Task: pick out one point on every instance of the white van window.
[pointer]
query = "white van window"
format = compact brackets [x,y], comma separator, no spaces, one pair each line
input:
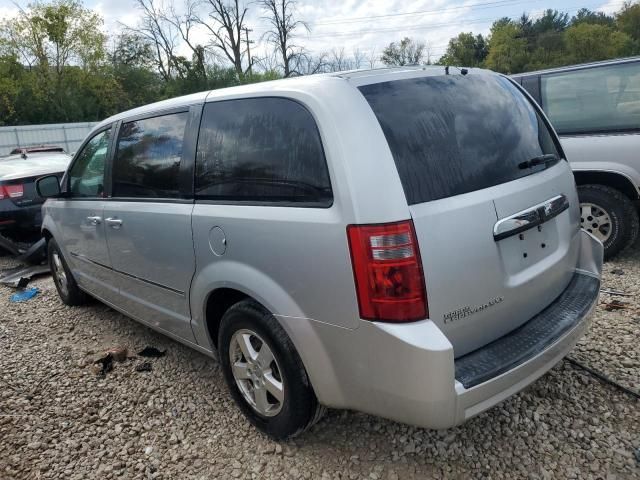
[594,99]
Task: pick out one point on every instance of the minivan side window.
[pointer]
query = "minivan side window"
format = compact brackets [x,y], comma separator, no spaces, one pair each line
[86,176]
[261,150]
[594,99]
[148,155]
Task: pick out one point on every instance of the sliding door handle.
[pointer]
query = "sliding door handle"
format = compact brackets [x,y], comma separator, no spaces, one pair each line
[113,222]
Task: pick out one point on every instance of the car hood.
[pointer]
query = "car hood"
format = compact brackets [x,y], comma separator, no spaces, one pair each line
[33,166]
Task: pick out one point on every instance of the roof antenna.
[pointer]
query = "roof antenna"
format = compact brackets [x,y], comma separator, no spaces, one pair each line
[446,70]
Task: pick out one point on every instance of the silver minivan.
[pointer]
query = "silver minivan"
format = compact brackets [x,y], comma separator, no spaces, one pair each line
[402,242]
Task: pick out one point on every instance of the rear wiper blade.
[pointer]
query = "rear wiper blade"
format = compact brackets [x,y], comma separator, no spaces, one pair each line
[539,160]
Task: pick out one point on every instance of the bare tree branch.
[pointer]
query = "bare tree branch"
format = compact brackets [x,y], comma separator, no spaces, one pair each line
[281,17]
[161,33]
[225,23]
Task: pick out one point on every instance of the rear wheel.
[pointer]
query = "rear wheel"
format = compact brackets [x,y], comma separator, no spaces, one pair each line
[265,373]
[68,289]
[610,216]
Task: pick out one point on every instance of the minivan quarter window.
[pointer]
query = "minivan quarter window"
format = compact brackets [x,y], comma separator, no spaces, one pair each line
[148,155]
[261,150]
[86,176]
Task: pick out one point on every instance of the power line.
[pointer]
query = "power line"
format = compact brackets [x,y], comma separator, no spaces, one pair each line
[471,6]
[419,26]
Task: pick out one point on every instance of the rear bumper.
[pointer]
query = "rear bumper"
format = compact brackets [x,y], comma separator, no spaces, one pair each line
[408,372]
[485,378]
[14,218]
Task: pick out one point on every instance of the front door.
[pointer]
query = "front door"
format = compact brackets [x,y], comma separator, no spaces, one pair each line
[81,220]
[148,223]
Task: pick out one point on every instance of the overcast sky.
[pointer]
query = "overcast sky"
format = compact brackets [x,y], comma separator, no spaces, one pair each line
[367,24]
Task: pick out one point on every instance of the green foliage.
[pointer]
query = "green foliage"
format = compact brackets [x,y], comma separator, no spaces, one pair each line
[628,20]
[552,40]
[466,49]
[589,42]
[585,15]
[507,48]
[56,65]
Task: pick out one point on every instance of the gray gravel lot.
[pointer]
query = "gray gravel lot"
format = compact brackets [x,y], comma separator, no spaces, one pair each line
[58,419]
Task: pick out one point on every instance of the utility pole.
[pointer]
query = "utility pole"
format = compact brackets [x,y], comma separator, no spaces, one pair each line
[246,32]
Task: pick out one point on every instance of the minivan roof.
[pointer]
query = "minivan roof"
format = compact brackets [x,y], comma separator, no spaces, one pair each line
[358,77]
[579,66]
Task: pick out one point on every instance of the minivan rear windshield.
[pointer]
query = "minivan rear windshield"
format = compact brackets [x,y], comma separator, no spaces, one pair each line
[454,134]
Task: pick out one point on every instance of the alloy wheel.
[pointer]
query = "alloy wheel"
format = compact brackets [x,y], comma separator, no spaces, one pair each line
[595,220]
[60,274]
[256,372]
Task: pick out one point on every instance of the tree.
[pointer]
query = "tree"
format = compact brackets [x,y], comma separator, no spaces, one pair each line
[309,64]
[281,16]
[590,42]
[466,50]
[507,48]
[338,61]
[56,34]
[226,25]
[407,52]
[133,66]
[585,15]
[11,73]
[551,21]
[628,20]
[60,42]
[359,58]
[185,25]
[372,58]
[161,35]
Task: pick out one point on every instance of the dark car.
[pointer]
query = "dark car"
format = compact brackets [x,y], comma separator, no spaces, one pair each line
[20,205]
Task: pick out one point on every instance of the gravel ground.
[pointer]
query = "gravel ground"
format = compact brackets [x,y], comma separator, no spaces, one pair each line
[58,419]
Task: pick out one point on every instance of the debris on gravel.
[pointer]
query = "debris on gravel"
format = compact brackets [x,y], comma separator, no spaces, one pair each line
[176,420]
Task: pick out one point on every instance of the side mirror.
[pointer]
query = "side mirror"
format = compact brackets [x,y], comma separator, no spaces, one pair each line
[48,187]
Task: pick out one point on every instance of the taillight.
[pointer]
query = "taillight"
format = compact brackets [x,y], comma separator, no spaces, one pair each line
[11,191]
[388,272]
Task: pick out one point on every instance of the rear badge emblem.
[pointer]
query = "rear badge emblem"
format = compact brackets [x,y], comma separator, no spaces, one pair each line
[464,312]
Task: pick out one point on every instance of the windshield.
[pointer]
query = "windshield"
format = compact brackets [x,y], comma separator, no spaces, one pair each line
[454,134]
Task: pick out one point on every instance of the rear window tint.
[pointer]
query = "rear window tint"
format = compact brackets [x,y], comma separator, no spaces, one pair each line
[455,134]
[261,150]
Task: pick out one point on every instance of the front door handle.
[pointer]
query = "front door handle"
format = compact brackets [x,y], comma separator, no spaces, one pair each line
[113,222]
[94,220]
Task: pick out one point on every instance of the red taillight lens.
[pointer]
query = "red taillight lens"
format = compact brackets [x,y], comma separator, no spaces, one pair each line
[11,191]
[388,272]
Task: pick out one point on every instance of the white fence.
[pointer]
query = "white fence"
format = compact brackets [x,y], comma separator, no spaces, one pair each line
[66,135]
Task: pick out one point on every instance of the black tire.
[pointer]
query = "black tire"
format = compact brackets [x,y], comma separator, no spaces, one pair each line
[622,212]
[71,295]
[300,408]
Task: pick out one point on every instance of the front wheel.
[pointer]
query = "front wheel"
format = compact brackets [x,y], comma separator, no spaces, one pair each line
[264,372]
[610,216]
[68,289]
